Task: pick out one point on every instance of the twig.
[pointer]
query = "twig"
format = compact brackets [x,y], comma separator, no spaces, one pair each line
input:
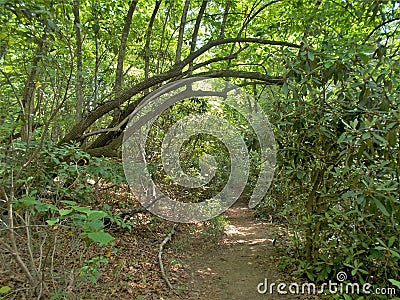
[52,263]
[12,238]
[167,238]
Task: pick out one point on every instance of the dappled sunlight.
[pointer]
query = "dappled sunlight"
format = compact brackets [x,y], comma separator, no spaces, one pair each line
[206,272]
[245,235]
[243,258]
[252,233]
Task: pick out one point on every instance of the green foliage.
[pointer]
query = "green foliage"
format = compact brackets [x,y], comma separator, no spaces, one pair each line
[116,218]
[334,110]
[216,225]
[90,221]
[59,171]
[59,294]
[90,269]
[4,290]
[197,146]
[337,125]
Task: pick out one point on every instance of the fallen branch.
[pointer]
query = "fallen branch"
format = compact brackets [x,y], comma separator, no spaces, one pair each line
[167,238]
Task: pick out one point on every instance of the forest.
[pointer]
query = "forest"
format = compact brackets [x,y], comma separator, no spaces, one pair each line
[301,134]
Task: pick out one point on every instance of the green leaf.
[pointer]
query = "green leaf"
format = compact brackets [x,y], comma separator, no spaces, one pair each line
[82,209]
[349,194]
[381,207]
[391,137]
[100,237]
[45,207]
[51,24]
[380,248]
[366,136]
[4,289]
[64,212]
[72,203]
[96,215]
[96,28]
[395,282]
[285,89]
[29,201]
[94,225]
[394,253]
[52,221]
[379,138]
[341,138]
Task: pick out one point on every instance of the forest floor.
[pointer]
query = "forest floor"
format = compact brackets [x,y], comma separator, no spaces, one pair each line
[204,261]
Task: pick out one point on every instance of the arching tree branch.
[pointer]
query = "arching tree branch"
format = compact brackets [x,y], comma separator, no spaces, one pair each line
[97,113]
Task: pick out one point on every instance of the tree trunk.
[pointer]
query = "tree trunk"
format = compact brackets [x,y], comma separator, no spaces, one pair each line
[79,70]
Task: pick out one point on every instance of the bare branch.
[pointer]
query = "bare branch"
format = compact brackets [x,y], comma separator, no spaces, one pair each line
[12,238]
[250,18]
[13,89]
[160,252]
[380,25]
[29,90]
[106,130]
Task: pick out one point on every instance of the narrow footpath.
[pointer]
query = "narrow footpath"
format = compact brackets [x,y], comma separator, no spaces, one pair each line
[235,268]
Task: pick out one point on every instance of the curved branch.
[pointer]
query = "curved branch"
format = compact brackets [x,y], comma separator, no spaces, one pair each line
[98,112]
[380,25]
[243,74]
[115,127]
[217,59]
[248,20]
[215,43]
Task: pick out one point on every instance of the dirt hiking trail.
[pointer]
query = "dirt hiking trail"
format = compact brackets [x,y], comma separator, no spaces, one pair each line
[234,268]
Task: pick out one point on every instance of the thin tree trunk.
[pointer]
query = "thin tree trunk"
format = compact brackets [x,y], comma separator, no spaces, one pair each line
[310,210]
[196,30]
[96,72]
[29,93]
[148,40]
[79,69]
[119,74]
[181,32]
[223,24]
[161,55]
